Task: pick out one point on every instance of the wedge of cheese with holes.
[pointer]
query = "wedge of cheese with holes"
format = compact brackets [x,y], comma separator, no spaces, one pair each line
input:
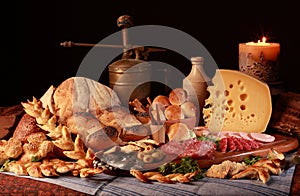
[237,102]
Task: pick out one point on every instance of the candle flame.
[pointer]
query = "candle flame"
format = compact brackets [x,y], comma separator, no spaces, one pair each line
[264,39]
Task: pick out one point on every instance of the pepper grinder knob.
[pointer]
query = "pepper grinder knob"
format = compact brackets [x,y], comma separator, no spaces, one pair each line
[124,22]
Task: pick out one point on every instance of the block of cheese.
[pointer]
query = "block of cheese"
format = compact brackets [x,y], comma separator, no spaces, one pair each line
[237,102]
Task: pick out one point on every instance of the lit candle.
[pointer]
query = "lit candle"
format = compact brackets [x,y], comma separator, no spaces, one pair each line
[260,60]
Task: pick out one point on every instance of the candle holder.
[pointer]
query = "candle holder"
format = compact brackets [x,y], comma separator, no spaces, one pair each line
[260,60]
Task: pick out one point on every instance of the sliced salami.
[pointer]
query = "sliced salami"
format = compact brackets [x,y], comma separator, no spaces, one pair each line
[238,144]
[223,144]
[199,149]
[191,147]
[245,143]
[254,144]
[230,144]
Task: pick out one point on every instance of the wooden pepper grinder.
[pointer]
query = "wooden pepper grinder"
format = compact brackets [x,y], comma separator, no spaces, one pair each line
[196,86]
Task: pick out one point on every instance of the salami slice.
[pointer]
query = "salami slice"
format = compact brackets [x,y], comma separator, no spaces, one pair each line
[231,144]
[192,147]
[238,144]
[245,143]
[199,149]
[223,144]
[254,144]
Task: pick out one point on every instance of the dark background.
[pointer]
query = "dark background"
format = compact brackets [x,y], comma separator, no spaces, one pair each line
[32,58]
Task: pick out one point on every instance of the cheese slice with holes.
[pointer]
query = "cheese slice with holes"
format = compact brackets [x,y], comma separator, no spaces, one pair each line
[237,102]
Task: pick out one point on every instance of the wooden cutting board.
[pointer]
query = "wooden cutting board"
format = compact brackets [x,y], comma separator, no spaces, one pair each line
[282,144]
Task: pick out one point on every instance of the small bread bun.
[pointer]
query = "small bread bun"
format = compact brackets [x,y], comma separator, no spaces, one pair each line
[189,109]
[178,96]
[162,100]
[178,131]
[174,112]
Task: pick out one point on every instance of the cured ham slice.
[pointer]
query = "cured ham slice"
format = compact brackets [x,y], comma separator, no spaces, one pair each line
[245,135]
[262,137]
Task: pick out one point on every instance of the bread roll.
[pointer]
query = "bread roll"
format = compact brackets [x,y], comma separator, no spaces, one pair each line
[174,112]
[80,94]
[178,96]
[162,100]
[189,109]
[179,131]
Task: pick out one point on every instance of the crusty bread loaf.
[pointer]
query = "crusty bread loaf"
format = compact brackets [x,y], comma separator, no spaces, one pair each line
[9,118]
[83,123]
[26,126]
[80,94]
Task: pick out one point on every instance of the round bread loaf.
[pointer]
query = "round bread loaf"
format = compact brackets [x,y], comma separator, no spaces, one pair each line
[80,94]
[178,96]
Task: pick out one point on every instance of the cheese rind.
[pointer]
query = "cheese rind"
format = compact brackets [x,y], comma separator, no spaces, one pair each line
[237,102]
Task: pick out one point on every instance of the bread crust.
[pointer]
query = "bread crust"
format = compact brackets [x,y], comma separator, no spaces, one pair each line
[26,126]
[80,94]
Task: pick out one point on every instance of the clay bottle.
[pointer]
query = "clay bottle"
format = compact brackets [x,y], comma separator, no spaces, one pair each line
[196,84]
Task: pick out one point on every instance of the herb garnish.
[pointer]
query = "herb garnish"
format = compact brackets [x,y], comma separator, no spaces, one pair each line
[251,160]
[185,165]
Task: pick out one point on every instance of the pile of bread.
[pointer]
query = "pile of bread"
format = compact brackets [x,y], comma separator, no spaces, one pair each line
[64,129]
